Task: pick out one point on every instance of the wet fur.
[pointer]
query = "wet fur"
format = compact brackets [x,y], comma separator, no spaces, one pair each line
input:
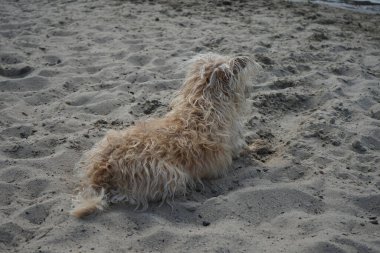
[159,158]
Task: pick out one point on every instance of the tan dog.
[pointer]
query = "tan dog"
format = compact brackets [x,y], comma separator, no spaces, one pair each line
[158,158]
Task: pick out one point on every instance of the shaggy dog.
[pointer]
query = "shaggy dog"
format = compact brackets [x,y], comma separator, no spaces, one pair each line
[159,158]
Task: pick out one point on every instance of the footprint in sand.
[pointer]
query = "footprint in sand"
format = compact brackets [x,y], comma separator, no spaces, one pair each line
[48,73]
[27,84]
[136,47]
[19,131]
[148,107]
[288,173]
[139,60]
[103,107]
[158,241]
[40,98]
[80,100]
[251,204]
[24,149]
[159,61]
[102,40]
[283,84]
[62,33]
[15,72]
[325,247]
[119,55]
[34,187]
[139,77]
[12,174]
[37,213]
[7,192]
[268,103]
[52,60]
[10,58]
[12,234]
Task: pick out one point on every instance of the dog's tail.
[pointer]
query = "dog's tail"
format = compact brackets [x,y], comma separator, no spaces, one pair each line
[89,201]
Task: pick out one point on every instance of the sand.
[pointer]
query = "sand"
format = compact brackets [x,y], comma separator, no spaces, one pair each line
[71,70]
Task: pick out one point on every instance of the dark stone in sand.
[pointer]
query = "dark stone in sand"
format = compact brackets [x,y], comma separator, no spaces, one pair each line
[358,147]
[205,223]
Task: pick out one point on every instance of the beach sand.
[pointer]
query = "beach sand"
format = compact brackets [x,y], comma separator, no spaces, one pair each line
[71,70]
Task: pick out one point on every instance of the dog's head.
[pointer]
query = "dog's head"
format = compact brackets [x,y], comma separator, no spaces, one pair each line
[218,79]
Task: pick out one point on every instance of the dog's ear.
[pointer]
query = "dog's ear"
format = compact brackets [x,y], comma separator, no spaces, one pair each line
[239,63]
[223,78]
[220,80]
[221,75]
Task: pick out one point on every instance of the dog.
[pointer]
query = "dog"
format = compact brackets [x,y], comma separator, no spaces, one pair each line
[159,158]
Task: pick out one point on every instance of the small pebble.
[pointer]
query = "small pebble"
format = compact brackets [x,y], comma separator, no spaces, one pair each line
[205,223]
[359,147]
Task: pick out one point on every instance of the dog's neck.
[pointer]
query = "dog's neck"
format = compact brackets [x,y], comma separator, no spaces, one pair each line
[200,113]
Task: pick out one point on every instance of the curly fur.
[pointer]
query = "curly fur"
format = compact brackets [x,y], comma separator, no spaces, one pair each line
[159,158]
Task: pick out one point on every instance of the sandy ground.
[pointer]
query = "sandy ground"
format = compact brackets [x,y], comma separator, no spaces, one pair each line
[71,70]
